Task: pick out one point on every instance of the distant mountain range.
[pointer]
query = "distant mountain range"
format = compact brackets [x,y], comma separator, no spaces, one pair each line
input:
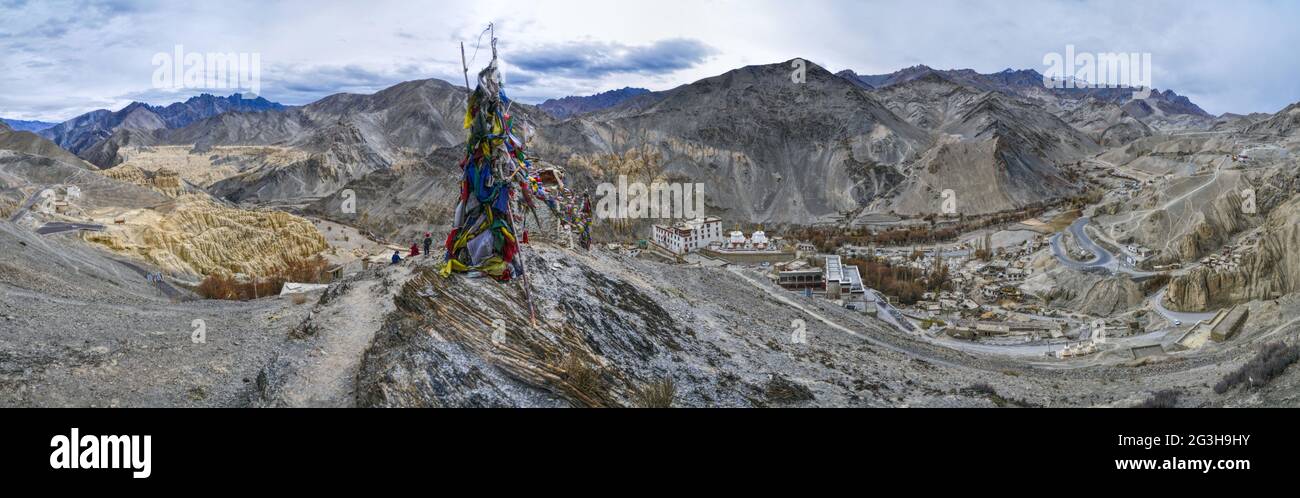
[21,125]
[80,134]
[574,106]
[829,150]
[1026,83]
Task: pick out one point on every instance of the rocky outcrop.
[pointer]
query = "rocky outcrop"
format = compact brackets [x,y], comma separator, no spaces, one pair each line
[1270,270]
[165,181]
[1188,219]
[1106,296]
[1091,293]
[199,237]
[1212,226]
[442,348]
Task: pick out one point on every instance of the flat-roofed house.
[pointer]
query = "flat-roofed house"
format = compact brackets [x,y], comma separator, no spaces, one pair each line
[686,236]
[833,276]
[810,278]
[1230,324]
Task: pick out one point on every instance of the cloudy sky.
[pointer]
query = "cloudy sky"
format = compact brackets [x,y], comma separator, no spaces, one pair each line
[62,58]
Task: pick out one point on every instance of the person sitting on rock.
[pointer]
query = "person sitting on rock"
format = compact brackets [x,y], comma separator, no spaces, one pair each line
[397,257]
[415,250]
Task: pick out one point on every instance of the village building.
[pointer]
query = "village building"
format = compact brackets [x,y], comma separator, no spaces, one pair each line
[1228,323]
[856,298]
[687,236]
[804,249]
[809,278]
[833,276]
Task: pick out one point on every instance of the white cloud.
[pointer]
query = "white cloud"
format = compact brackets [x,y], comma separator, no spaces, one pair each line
[63,58]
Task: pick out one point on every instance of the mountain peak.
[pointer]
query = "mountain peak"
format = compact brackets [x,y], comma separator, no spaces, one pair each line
[575,105]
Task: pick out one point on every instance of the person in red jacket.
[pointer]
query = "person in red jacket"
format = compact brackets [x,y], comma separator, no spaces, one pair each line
[415,250]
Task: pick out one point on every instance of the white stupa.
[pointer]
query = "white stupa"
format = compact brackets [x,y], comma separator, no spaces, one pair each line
[737,240]
[759,240]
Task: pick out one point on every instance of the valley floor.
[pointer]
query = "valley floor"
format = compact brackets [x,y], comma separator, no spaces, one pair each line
[609,326]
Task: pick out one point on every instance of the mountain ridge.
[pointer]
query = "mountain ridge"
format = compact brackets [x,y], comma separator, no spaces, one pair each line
[577,105]
[24,125]
[88,130]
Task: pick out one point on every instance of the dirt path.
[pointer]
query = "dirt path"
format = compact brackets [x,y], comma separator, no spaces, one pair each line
[327,374]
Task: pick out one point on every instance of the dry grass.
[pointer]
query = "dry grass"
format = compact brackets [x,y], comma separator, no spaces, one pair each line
[657,394]
[1271,361]
[1064,220]
[229,288]
[580,374]
[1163,399]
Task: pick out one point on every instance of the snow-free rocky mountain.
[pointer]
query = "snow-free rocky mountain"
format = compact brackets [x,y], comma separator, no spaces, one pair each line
[768,150]
[95,132]
[24,125]
[576,105]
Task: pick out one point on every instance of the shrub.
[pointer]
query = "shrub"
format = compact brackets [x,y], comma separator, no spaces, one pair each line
[985,390]
[1167,398]
[658,394]
[785,391]
[311,270]
[580,375]
[1271,361]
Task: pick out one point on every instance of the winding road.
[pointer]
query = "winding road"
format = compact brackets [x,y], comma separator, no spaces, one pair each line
[1157,302]
[1101,257]
[1104,259]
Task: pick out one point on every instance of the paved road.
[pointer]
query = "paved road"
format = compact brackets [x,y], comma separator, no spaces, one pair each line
[27,205]
[1188,319]
[167,289]
[1102,258]
[59,226]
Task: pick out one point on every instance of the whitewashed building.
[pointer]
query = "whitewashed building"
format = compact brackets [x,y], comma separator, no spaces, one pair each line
[687,236]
